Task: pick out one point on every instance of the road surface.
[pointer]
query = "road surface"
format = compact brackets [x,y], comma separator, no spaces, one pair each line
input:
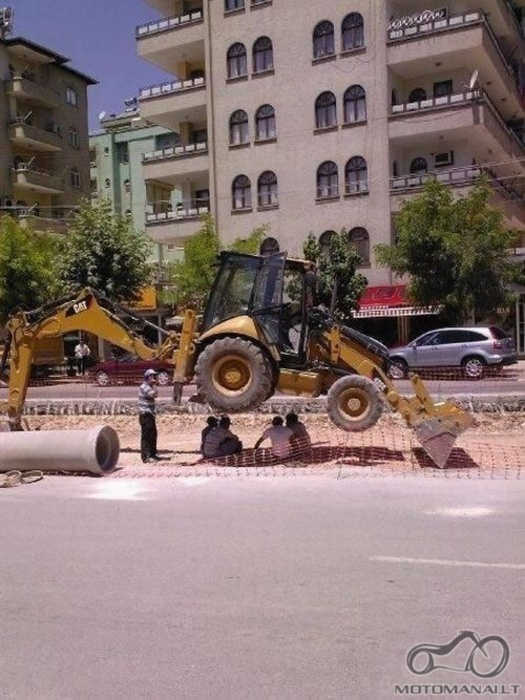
[279,587]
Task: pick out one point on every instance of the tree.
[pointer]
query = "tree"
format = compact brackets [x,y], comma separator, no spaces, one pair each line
[102,250]
[191,278]
[454,250]
[339,286]
[28,274]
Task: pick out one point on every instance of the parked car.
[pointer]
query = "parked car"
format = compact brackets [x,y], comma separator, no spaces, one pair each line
[129,369]
[472,349]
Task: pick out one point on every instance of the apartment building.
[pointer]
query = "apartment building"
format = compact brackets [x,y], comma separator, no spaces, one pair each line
[312,117]
[117,152]
[44,150]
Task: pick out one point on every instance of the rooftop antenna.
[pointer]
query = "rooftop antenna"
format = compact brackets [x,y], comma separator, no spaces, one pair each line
[6,21]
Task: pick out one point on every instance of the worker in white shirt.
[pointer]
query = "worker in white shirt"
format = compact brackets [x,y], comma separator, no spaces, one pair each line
[280,437]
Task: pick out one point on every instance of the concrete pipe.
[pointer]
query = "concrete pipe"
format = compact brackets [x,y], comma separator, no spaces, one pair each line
[96,450]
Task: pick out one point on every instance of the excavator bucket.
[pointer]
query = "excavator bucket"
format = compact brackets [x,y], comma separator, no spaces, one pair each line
[438,434]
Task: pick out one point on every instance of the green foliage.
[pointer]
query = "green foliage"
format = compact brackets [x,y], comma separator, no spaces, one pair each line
[28,276]
[339,286]
[102,250]
[454,250]
[191,279]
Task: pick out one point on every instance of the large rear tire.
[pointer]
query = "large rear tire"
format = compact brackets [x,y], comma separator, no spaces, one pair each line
[233,375]
[354,403]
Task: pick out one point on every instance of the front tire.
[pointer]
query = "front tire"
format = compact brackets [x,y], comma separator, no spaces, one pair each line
[163,378]
[103,378]
[233,374]
[398,369]
[354,403]
[473,367]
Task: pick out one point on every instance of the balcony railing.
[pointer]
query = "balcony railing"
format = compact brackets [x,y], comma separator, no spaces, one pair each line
[168,23]
[20,85]
[30,176]
[175,152]
[171,87]
[437,25]
[180,214]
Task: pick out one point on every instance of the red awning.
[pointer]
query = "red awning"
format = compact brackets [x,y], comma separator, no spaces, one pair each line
[386,295]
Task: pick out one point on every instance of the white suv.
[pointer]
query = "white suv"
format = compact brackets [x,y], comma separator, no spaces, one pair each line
[472,349]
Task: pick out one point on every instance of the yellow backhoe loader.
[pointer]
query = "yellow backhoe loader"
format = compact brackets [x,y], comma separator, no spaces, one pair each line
[260,333]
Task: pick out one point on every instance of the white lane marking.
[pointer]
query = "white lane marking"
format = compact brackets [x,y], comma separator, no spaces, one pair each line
[474,512]
[448,562]
[193,480]
[118,489]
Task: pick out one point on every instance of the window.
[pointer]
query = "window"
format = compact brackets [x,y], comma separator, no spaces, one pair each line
[123,152]
[443,88]
[74,177]
[127,185]
[230,5]
[73,138]
[324,43]
[418,166]
[325,110]
[354,104]
[327,180]
[267,189]
[356,175]
[360,240]
[72,97]
[107,182]
[325,241]
[241,192]
[106,151]
[237,62]
[417,95]
[262,55]
[265,123]
[239,131]
[353,31]
[269,246]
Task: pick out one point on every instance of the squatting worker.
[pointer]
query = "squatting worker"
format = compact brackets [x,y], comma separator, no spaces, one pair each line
[148,426]
[280,437]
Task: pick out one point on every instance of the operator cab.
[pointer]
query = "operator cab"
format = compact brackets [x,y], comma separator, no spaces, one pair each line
[273,290]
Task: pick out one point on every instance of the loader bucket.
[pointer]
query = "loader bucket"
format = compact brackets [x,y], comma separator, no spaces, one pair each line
[438,434]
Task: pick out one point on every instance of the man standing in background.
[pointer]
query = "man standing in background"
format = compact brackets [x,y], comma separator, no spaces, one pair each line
[82,352]
[148,426]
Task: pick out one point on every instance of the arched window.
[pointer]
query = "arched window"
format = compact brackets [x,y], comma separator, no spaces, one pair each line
[327,180]
[356,175]
[230,5]
[417,95]
[127,185]
[325,241]
[267,189]
[325,110]
[236,60]
[269,246]
[241,192]
[355,104]
[360,240]
[107,182]
[324,43]
[239,130]
[74,177]
[418,166]
[353,31]
[262,54]
[265,123]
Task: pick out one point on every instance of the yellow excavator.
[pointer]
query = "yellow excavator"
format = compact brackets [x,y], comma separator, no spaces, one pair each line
[260,333]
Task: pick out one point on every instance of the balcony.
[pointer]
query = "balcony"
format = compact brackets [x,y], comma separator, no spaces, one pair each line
[168,42]
[47,220]
[28,90]
[169,103]
[466,40]
[174,227]
[469,116]
[28,177]
[35,137]
[170,164]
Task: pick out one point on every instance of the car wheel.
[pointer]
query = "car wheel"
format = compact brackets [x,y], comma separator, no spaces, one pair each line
[102,378]
[163,378]
[473,367]
[398,369]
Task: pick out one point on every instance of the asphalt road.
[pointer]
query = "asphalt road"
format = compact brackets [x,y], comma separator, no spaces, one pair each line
[292,587]
[507,384]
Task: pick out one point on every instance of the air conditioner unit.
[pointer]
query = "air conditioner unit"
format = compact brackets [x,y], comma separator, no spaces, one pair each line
[445,158]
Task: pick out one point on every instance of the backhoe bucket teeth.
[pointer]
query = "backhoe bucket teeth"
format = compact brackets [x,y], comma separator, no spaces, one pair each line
[438,435]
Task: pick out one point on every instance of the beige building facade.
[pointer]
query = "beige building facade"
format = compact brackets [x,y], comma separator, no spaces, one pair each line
[44,147]
[311,117]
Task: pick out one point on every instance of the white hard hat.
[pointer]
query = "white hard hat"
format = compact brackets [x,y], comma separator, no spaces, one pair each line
[150,373]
